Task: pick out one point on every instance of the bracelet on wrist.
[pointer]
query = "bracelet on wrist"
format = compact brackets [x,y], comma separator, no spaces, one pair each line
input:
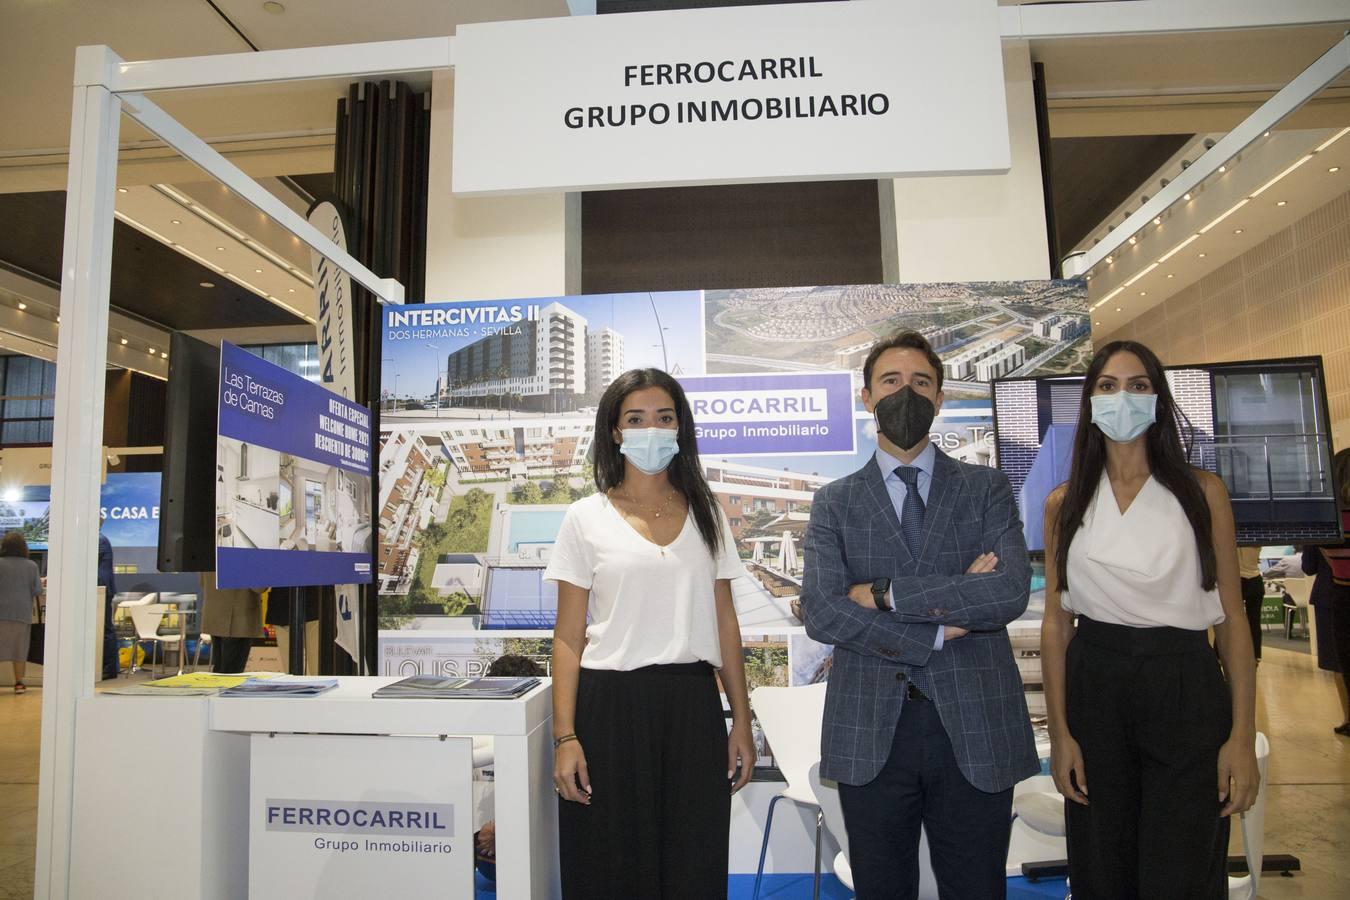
[558,742]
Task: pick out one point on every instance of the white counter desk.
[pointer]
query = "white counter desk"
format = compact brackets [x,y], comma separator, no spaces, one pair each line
[161,792]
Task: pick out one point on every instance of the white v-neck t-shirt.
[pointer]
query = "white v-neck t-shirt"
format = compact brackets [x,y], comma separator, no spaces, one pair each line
[649,605]
[1140,568]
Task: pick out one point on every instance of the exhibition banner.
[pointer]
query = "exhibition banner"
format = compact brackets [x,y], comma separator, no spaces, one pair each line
[811,91]
[488,418]
[292,479]
[360,816]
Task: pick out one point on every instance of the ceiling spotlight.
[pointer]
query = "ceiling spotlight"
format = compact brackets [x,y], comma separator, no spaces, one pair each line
[23,306]
[1098,323]
[1110,260]
[58,320]
[124,342]
[1281,202]
[220,248]
[1202,256]
[290,290]
[1186,196]
[1132,240]
[1143,293]
[1117,309]
[1170,275]
[1223,169]
[1157,220]
[175,222]
[1334,169]
[205,284]
[121,190]
[1267,134]
[259,271]
[1237,231]
[164,356]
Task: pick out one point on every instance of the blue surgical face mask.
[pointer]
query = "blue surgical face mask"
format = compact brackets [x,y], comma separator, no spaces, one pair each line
[650,449]
[1123,417]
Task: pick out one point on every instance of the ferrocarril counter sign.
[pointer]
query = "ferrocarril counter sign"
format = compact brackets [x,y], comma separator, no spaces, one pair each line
[359,815]
[867,89]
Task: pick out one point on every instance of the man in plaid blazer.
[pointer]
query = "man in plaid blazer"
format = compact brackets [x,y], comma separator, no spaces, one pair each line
[914,565]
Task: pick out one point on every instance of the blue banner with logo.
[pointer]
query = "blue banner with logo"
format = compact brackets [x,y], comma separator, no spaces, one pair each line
[772,414]
[292,479]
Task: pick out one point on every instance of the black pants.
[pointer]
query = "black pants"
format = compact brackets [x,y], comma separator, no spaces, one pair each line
[1253,592]
[230,654]
[657,826]
[920,784]
[1150,708]
[110,666]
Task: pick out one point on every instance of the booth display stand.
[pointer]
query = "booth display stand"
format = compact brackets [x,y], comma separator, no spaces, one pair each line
[216,797]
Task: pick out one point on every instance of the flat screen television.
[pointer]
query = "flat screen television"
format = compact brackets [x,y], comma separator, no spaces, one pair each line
[187,531]
[1261,426]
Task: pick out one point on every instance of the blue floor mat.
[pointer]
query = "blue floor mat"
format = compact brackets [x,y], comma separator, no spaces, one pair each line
[798,887]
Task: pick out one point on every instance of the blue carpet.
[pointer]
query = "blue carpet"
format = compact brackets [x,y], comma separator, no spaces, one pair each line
[798,887]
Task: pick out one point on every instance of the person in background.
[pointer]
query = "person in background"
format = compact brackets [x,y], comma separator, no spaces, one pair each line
[643,763]
[233,618]
[279,617]
[485,839]
[107,580]
[1142,548]
[20,589]
[1330,597]
[1253,592]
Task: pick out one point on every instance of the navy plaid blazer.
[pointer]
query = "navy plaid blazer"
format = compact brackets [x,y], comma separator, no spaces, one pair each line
[854,537]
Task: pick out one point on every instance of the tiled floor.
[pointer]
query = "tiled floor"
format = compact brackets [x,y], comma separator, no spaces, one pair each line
[1307,814]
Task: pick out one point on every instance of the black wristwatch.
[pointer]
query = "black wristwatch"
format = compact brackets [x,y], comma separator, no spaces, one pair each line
[879,588]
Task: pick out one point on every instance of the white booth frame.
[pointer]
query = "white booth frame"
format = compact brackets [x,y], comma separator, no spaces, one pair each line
[105,86]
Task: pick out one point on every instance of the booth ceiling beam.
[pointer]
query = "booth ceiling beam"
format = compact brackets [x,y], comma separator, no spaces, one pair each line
[1305,86]
[1087,19]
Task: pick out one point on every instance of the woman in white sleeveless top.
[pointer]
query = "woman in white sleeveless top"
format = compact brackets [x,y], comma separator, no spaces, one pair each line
[1141,548]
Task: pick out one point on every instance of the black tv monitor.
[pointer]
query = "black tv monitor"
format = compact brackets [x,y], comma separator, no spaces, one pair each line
[187,514]
[1262,426]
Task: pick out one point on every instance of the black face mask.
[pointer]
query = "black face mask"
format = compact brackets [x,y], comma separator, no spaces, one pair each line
[905,417]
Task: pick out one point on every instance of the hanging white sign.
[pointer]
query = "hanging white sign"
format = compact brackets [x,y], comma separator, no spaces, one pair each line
[865,89]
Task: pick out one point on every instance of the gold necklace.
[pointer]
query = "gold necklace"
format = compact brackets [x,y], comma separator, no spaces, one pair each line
[654,510]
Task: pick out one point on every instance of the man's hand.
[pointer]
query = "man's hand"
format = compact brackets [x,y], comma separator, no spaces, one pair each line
[985,562]
[861,594]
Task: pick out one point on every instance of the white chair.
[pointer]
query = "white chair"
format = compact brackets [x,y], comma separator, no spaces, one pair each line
[1299,590]
[1254,829]
[146,619]
[1043,811]
[202,638]
[791,718]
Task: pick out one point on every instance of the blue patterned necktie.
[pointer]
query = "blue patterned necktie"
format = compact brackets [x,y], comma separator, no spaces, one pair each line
[912,510]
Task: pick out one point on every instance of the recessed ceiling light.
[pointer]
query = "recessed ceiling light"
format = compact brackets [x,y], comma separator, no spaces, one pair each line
[206,284]
[1143,293]
[1170,275]
[164,356]
[152,351]
[259,271]
[1117,309]
[1186,196]
[1334,169]
[124,342]
[1157,220]
[1099,323]
[23,306]
[1237,231]
[1132,240]
[1202,256]
[290,290]
[220,248]
[1110,260]
[1281,202]
[121,190]
[1223,168]
[58,320]
[175,222]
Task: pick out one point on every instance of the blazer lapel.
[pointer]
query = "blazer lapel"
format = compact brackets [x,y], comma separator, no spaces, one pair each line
[883,511]
[942,494]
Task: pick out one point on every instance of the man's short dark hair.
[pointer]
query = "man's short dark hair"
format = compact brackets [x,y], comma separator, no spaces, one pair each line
[517,666]
[910,340]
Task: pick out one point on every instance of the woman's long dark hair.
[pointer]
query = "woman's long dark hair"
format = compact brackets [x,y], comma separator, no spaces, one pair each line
[1167,461]
[685,473]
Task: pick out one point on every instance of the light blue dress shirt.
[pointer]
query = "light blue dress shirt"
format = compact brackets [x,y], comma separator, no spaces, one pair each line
[898,490]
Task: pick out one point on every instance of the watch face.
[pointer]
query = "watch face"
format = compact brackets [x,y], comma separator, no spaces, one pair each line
[881,585]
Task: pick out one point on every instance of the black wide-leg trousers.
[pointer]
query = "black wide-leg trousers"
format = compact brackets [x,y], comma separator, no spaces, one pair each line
[1150,709]
[655,741]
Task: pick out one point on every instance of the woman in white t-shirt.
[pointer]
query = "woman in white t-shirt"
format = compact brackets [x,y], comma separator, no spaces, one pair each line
[1140,547]
[643,764]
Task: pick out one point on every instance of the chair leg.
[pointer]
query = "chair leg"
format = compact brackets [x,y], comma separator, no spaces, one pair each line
[820,820]
[764,845]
